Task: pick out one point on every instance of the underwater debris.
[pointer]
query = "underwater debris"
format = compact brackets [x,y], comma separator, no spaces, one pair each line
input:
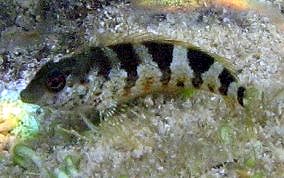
[184,5]
[173,5]
[168,5]
[119,71]
[257,6]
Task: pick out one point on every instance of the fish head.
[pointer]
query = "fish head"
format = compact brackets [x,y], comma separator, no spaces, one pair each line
[58,84]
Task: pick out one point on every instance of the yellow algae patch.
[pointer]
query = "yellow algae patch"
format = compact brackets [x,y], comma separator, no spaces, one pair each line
[234,4]
[8,121]
[9,116]
[8,125]
[16,120]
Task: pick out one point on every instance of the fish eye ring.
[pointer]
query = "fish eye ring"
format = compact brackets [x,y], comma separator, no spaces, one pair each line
[55,80]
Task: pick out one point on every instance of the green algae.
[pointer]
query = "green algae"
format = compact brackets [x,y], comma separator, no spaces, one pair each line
[25,157]
[187,93]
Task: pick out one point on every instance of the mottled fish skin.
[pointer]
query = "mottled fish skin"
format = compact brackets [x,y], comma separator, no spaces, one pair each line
[102,77]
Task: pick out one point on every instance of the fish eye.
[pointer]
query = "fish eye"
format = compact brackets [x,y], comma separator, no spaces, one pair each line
[55,80]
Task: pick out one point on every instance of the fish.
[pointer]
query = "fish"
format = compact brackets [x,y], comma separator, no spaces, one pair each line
[102,77]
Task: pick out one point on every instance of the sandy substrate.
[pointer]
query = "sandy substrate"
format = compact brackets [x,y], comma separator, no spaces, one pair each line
[161,136]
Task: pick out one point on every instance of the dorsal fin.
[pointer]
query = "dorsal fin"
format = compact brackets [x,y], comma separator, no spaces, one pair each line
[134,38]
[109,39]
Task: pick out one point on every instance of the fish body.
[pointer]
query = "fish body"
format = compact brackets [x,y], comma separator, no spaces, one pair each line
[102,77]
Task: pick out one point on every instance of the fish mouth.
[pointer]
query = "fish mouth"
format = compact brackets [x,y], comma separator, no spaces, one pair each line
[26,97]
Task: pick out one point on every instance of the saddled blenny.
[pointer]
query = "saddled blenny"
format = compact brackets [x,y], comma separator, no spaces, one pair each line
[102,77]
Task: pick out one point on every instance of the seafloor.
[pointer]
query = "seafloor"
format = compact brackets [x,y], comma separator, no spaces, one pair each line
[187,136]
